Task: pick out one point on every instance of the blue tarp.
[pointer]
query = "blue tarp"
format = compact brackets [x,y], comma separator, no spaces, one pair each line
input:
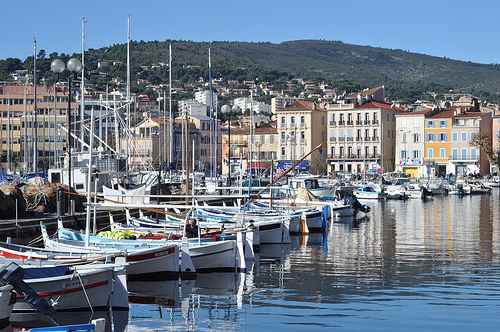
[44,272]
[288,164]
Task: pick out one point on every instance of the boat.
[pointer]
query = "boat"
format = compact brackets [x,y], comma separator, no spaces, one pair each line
[479,189]
[396,190]
[7,300]
[368,192]
[437,186]
[97,325]
[493,181]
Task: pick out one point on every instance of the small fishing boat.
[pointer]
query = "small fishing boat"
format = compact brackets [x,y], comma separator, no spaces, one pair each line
[368,192]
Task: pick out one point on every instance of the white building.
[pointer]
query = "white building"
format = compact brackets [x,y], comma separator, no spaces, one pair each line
[204,98]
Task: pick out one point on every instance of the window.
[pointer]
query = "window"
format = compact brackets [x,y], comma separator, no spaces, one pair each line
[472,136]
[302,135]
[442,137]
[333,117]
[323,120]
[271,139]
[332,132]
[283,120]
[430,124]
[454,137]
[464,154]
[415,123]
[416,138]
[403,138]
[442,124]
[473,154]
[415,154]
[283,152]
[388,133]
[430,137]
[367,117]
[367,151]
[402,154]
[283,136]
[464,137]
[349,117]
[302,119]
[430,153]
[332,150]
[442,153]
[358,117]
[454,154]
[388,117]
[403,123]
[375,151]
[293,119]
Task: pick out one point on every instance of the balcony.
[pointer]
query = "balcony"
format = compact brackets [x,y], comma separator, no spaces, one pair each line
[464,158]
[359,122]
[303,125]
[333,139]
[303,141]
[375,122]
[293,125]
[367,122]
[350,122]
[367,138]
[283,141]
[354,157]
[282,125]
[333,123]
[341,123]
[375,138]
[341,139]
[350,139]
[359,139]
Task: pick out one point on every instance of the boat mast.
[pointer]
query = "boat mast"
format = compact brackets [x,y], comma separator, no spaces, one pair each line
[82,98]
[129,158]
[26,151]
[9,160]
[212,131]
[170,109]
[35,145]
[56,127]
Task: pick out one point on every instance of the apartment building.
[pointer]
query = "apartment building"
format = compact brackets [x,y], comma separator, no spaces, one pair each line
[362,137]
[302,127]
[410,143]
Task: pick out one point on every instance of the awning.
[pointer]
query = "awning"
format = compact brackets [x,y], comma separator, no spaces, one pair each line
[259,164]
[288,164]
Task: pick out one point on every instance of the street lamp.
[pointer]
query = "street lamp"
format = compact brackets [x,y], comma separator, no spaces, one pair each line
[404,141]
[74,66]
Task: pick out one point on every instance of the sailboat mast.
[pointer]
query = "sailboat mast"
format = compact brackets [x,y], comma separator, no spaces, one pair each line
[35,145]
[212,131]
[82,97]
[170,108]
[9,160]
[26,151]
[129,159]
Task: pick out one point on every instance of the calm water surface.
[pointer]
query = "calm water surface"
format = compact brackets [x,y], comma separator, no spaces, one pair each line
[407,265]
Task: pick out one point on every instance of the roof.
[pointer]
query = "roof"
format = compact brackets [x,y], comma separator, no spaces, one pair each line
[364,93]
[472,115]
[379,104]
[422,112]
[443,115]
[301,105]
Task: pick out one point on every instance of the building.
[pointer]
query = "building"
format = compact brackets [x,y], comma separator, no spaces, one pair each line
[301,128]
[362,137]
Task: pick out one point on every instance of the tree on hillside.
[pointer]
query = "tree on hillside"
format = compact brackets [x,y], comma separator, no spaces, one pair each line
[485,143]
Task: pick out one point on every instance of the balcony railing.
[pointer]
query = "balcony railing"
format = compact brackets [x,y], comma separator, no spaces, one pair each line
[375,122]
[303,141]
[354,157]
[293,125]
[283,141]
[333,123]
[359,122]
[367,138]
[282,125]
[350,122]
[341,139]
[358,139]
[460,158]
[367,122]
[375,138]
[349,139]
[341,123]
[303,125]
[333,139]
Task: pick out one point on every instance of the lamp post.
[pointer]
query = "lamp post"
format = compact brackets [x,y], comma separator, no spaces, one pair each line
[404,141]
[74,67]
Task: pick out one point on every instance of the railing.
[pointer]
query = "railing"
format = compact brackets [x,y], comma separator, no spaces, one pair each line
[367,138]
[350,122]
[375,138]
[303,141]
[358,139]
[464,158]
[367,122]
[293,125]
[359,122]
[341,139]
[282,125]
[375,122]
[283,141]
[303,125]
[341,123]
[333,139]
[349,139]
[333,123]
[358,157]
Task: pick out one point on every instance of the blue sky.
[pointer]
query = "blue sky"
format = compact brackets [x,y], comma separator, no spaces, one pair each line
[459,29]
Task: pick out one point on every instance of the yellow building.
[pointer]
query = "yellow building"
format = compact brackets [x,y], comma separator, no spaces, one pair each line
[438,142]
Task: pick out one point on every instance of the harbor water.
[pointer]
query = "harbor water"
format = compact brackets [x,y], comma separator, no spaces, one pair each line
[410,265]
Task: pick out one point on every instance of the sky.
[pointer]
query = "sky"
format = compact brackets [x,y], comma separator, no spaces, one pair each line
[458,29]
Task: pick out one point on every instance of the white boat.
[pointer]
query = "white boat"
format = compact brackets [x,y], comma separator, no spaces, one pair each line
[493,181]
[368,192]
[437,186]
[413,190]
[145,262]
[396,190]
[480,188]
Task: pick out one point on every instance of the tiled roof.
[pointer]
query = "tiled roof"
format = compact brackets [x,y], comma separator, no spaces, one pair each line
[472,115]
[301,105]
[364,93]
[379,104]
[443,115]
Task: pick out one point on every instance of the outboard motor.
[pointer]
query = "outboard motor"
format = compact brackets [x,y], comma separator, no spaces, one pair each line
[426,193]
[356,205]
[13,274]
